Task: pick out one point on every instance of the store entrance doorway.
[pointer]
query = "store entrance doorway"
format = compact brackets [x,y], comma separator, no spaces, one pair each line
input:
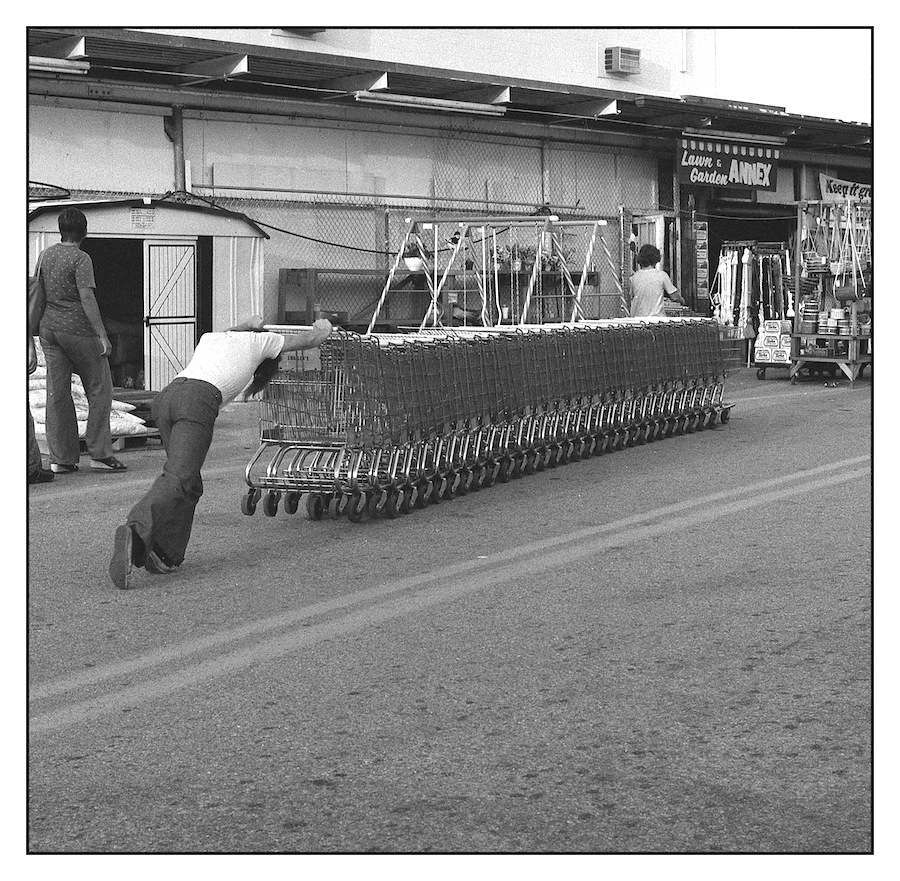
[657,230]
[155,299]
[119,273]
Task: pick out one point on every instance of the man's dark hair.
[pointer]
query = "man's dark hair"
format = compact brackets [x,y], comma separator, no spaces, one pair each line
[648,255]
[263,374]
[72,224]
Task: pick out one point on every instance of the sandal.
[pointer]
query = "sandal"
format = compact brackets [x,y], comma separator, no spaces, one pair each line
[111,463]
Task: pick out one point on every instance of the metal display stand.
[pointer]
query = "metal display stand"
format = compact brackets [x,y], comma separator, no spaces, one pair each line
[833,322]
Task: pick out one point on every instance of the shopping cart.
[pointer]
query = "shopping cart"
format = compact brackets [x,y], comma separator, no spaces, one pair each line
[381,425]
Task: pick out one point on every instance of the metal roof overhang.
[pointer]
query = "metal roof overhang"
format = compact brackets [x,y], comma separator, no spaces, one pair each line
[36,209]
[196,68]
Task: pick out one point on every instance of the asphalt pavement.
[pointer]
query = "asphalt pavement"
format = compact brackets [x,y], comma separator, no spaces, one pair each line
[662,649]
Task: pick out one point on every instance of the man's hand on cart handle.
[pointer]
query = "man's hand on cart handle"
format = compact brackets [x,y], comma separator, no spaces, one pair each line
[308,339]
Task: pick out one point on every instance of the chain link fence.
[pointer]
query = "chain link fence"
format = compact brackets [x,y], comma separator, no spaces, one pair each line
[331,251]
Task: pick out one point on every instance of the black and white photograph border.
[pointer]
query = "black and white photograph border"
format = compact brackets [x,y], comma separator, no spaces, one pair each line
[497,560]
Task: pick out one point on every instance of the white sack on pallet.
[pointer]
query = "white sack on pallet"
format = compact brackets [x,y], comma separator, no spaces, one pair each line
[37,400]
[120,424]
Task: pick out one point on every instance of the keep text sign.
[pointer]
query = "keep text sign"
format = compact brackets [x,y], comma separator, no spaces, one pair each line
[727,164]
[836,190]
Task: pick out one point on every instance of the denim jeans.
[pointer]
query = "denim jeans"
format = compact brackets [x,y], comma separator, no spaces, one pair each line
[185,412]
[34,451]
[67,353]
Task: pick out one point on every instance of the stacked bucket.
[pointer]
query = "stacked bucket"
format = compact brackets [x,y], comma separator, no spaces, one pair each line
[377,426]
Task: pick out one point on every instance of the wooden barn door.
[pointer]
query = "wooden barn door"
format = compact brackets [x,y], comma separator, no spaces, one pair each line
[170,308]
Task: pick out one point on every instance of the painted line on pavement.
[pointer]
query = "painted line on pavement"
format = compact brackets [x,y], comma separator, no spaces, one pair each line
[435,587]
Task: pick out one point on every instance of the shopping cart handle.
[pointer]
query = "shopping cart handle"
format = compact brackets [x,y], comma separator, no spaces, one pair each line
[287,328]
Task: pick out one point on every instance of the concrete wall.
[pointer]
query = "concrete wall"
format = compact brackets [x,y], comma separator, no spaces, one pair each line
[99,150]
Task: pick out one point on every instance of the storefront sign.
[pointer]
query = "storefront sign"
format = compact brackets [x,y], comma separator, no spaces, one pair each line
[727,164]
[836,190]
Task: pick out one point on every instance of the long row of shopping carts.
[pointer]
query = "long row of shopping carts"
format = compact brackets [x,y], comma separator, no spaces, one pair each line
[379,425]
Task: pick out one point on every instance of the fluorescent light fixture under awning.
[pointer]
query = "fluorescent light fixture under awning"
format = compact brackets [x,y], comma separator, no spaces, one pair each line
[415,102]
[58,65]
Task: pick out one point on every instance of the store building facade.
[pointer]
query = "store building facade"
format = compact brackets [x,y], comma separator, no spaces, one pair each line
[327,141]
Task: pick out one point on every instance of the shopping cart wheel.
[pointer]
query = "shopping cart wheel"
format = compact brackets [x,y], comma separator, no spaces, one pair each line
[404,498]
[356,506]
[725,415]
[336,505]
[449,484]
[438,486]
[248,502]
[375,505]
[315,507]
[713,416]
[291,502]
[270,503]
[423,490]
[390,504]
[760,372]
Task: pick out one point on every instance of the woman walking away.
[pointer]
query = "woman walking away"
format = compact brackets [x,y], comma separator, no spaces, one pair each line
[74,340]
[239,361]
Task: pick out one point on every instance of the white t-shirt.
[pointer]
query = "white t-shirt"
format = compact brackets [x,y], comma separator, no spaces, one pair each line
[648,286]
[227,359]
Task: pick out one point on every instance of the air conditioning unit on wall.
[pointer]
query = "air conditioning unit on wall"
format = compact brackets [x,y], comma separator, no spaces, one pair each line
[619,59]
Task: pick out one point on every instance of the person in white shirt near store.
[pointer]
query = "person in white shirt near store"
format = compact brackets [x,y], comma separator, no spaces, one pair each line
[239,361]
[650,286]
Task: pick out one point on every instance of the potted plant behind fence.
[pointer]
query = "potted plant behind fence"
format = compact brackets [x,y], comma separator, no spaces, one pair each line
[412,254]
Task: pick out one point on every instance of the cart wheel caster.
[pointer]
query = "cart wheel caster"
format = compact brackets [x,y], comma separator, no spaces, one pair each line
[248,502]
[761,373]
[464,479]
[375,504]
[356,506]
[423,491]
[291,502]
[336,506]
[390,507]
[724,416]
[448,486]
[405,498]
[438,486]
[270,503]
[315,507]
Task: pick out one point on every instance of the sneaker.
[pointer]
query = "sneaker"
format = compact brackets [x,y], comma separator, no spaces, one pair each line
[44,475]
[122,562]
[155,564]
[57,468]
[111,463]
